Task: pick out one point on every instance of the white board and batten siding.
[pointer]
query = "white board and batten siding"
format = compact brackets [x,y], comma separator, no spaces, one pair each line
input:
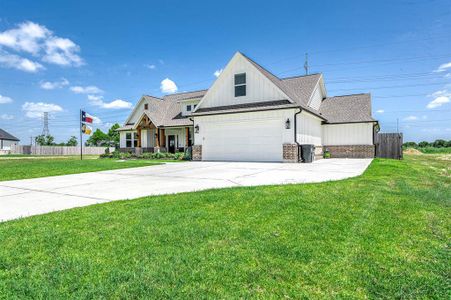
[317,98]
[258,87]
[255,136]
[348,134]
[308,129]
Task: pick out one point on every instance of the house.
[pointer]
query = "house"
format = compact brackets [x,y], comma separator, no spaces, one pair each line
[7,140]
[249,114]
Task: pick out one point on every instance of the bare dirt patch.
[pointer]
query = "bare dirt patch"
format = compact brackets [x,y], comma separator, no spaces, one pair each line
[412,151]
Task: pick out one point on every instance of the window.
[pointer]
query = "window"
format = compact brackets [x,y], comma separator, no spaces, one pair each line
[188,107]
[128,140]
[194,107]
[240,85]
[135,139]
[146,106]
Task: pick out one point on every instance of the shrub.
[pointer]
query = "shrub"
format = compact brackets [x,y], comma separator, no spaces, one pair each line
[188,154]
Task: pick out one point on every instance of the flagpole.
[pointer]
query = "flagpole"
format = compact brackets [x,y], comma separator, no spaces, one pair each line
[81,138]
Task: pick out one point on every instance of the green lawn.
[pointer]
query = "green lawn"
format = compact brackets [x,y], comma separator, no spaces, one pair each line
[385,234]
[12,168]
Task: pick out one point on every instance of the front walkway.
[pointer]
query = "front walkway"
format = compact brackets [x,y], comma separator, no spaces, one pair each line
[29,197]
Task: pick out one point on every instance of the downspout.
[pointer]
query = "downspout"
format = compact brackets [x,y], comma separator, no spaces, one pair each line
[192,120]
[295,132]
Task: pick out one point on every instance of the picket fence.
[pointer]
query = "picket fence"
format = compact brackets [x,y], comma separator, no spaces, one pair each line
[57,150]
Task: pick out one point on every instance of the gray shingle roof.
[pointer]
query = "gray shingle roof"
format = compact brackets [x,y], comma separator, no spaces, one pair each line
[347,109]
[7,136]
[245,107]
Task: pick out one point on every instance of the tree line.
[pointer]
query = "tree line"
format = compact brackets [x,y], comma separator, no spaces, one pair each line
[435,144]
[97,139]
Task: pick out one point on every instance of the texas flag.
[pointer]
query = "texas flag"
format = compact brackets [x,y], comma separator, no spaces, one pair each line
[86,118]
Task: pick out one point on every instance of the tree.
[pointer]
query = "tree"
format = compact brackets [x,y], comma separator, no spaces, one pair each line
[114,135]
[45,140]
[410,145]
[98,138]
[72,141]
[439,143]
[423,144]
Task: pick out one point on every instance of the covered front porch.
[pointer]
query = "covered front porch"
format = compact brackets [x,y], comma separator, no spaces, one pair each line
[145,136]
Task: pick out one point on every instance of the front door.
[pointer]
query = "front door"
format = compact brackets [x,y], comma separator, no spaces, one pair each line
[171,143]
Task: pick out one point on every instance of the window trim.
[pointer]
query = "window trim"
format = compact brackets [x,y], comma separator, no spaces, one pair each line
[128,140]
[239,85]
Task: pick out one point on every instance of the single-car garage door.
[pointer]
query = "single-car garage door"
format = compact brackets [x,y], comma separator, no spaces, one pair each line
[243,141]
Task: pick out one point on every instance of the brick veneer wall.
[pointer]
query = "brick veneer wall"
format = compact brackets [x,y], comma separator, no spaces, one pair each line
[290,153]
[350,151]
[197,152]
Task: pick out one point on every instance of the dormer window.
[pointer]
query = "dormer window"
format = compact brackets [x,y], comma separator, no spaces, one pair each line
[146,106]
[188,107]
[240,85]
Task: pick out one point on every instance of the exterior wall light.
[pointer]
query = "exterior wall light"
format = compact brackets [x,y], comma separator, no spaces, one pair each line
[196,128]
[287,124]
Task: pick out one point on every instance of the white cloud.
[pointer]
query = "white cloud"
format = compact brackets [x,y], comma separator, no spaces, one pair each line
[91,89]
[217,73]
[25,37]
[62,52]
[49,85]
[380,111]
[411,118]
[151,67]
[117,104]
[36,110]
[437,102]
[16,62]
[443,67]
[6,117]
[4,99]
[97,100]
[37,40]
[168,86]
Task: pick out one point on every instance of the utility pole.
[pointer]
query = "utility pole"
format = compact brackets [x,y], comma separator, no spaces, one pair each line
[306,64]
[31,140]
[45,130]
[397,125]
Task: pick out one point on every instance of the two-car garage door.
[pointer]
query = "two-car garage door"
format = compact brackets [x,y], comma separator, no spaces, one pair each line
[255,140]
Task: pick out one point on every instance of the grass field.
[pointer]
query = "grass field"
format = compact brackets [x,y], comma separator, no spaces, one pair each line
[432,150]
[384,234]
[21,167]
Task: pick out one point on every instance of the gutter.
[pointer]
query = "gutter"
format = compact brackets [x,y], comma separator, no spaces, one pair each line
[295,133]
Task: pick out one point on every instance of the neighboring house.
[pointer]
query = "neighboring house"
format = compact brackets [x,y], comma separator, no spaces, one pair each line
[248,114]
[7,140]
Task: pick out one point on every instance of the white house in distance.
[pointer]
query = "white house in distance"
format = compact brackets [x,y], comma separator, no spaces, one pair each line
[7,140]
[249,114]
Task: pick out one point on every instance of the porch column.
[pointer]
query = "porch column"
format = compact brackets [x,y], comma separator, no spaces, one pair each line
[138,136]
[186,137]
[157,139]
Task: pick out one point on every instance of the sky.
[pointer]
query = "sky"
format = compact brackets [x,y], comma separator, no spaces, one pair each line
[102,56]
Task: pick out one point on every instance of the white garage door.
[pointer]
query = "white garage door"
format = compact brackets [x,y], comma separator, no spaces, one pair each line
[243,141]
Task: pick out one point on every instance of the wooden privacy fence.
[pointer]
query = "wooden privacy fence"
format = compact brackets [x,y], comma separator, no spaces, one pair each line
[388,145]
[57,150]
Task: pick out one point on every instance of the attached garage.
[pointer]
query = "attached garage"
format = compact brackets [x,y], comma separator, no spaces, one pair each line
[243,141]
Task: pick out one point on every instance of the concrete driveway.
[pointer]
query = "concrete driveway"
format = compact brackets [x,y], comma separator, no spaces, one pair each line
[20,198]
